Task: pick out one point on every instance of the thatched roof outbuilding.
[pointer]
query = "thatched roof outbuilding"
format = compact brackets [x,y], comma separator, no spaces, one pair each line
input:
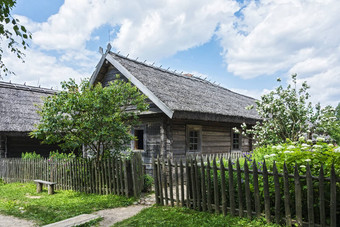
[18,110]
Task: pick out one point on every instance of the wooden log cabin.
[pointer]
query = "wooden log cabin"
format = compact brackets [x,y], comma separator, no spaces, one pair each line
[187,115]
[17,118]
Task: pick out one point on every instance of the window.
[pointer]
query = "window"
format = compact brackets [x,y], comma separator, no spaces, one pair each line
[139,139]
[236,141]
[193,138]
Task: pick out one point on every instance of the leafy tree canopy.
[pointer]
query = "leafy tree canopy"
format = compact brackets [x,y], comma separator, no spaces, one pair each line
[100,118]
[287,114]
[12,33]
[337,112]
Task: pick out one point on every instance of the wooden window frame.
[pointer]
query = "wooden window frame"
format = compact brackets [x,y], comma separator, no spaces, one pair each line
[239,141]
[190,128]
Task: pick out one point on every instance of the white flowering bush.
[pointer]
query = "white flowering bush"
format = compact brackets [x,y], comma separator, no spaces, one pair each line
[300,153]
[286,113]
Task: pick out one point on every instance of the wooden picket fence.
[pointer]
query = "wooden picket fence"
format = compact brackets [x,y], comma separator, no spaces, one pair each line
[119,176]
[219,185]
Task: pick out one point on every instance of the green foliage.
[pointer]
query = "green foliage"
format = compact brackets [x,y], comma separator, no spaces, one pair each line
[55,155]
[14,34]
[169,216]
[337,112]
[148,181]
[334,128]
[300,153]
[30,155]
[98,117]
[21,200]
[286,113]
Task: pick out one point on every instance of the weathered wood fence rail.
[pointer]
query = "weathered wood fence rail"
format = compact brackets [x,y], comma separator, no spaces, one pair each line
[223,187]
[111,176]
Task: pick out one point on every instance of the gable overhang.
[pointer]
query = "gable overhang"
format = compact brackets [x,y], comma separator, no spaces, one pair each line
[161,105]
[188,115]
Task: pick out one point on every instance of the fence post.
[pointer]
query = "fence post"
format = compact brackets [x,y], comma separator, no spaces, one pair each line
[203,186]
[170,183]
[155,176]
[223,188]
[160,183]
[310,198]
[333,196]
[216,195]
[266,193]
[256,190]
[209,185]
[277,194]
[298,199]
[165,182]
[188,186]
[239,189]
[286,193]
[231,188]
[177,183]
[193,183]
[132,172]
[198,185]
[182,182]
[247,189]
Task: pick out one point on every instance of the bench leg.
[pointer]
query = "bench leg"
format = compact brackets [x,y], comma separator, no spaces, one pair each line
[50,189]
[39,187]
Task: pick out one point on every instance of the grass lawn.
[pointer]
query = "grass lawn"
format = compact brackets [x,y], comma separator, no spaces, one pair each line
[168,216]
[21,200]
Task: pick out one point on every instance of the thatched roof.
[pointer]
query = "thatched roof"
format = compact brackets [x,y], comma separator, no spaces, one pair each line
[179,95]
[17,106]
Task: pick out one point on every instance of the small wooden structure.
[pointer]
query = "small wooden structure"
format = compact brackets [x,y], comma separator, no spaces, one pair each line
[48,183]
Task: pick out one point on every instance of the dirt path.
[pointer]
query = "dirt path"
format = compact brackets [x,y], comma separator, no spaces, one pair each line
[112,216]
[10,221]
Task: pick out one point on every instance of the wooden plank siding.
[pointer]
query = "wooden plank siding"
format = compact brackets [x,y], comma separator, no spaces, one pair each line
[216,137]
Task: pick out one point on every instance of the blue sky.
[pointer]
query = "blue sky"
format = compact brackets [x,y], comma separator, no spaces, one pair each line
[242,45]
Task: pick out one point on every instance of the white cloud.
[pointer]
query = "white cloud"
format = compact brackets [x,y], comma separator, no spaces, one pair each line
[284,37]
[40,69]
[175,26]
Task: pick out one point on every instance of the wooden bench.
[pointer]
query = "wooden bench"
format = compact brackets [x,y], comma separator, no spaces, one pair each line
[50,186]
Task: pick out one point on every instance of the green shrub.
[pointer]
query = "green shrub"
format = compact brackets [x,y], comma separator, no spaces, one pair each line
[299,153]
[55,155]
[30,155]
[148,181]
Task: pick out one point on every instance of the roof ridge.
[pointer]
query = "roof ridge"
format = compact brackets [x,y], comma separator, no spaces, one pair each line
[179,74]
[26,87]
